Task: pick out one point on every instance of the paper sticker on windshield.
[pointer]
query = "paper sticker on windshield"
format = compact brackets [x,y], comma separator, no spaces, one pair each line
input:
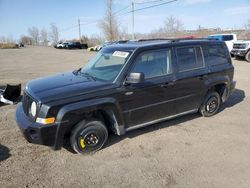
[120,54]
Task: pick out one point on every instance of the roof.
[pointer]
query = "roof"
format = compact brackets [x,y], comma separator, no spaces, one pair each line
[222,34]
[132,45]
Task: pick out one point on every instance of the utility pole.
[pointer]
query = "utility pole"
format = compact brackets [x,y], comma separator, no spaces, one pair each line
[133,20]
[79,25]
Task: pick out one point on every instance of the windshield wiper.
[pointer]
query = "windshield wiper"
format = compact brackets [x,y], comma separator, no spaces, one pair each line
[75,72]
[88,75]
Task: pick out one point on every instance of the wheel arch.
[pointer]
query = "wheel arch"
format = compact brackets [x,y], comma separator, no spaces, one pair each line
[221,85]
[69,115]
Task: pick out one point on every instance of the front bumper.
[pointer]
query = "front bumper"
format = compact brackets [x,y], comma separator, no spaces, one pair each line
[241,53]
[35,132]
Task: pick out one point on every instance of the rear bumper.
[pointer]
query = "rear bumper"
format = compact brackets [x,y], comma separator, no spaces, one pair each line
[35,132]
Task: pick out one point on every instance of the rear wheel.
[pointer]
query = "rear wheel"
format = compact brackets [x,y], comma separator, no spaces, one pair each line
[88,136]
[248,56]
[211,104]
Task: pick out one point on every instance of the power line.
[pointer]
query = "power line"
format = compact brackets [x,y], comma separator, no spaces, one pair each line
[147,2]
[121,10]
[135,10]
[89,23]
[68,28]
[92,22]
[152,6]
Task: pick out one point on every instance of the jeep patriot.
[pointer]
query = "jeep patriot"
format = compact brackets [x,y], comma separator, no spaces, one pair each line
[126,87]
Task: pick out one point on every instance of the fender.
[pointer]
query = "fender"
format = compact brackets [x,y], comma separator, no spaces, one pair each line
[73,112]
[225,80]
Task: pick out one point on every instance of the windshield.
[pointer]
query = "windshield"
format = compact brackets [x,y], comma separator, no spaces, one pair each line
[222,37]
[105,66]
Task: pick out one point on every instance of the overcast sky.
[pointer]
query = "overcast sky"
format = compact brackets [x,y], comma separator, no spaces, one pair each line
[16,16]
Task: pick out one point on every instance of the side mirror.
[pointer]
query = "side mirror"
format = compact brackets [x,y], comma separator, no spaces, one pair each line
[134,78]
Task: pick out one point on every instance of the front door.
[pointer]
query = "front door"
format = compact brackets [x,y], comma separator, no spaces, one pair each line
[151,100]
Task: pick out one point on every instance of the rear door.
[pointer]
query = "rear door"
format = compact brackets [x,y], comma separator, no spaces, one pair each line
[190,86]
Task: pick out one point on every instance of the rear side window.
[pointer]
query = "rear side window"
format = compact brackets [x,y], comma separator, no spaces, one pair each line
[227,37]
[216,55]
[189,58]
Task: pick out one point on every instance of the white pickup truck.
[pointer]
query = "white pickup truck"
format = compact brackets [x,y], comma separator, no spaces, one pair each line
[241,48]
[228,38]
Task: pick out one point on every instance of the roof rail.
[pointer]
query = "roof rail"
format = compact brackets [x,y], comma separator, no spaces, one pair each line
[174,39]
[142,40]
[182,39]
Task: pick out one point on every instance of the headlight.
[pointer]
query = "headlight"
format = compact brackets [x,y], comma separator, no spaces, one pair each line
[33,109]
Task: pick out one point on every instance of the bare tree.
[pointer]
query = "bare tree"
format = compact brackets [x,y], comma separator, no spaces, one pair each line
[173,26]
[44,37]
[245,33]
[247,26]
[26,40]
[109,24]
[34,34]
[54,33]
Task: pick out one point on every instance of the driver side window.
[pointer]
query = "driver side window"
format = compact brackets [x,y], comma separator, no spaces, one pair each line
[153,63]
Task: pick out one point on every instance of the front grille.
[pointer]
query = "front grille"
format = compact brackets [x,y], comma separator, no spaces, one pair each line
[26,101]
[239,46]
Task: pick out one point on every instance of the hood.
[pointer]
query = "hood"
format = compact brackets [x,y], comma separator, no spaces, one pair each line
[242,42]
[63,85]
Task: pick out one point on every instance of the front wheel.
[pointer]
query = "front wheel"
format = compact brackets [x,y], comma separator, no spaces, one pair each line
[211,104]
[248,56]
[88,136]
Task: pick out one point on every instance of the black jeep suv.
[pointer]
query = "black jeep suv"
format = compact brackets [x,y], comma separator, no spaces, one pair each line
[125,87]
[75,45]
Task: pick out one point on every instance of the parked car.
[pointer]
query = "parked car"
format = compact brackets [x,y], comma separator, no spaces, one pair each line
[75,45]
[229,39]
[241,49]
[99,47]
[126,87]
[92,48]
[61,45]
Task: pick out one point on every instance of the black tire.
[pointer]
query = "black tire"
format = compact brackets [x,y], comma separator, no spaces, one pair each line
[237,57]
[88,136]
[248,56]
[211,104]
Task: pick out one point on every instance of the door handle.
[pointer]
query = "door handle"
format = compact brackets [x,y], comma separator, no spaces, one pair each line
[129,93]
[168,84]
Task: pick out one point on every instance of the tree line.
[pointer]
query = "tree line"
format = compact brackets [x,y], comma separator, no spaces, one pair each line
[172,27]
[42,37]
[112,30]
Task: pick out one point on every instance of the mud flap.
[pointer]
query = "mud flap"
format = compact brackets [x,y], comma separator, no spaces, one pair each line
[10,94]
[225,94]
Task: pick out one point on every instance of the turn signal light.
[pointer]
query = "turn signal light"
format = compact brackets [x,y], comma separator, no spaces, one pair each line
[45,120]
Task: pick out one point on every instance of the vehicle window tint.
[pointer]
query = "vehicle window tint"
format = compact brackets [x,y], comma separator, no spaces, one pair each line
[227,37]
[108,60]
[216,55]
[153,64]
[189,58]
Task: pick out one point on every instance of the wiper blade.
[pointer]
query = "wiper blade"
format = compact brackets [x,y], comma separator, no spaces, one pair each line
[88,75]
[77,71]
